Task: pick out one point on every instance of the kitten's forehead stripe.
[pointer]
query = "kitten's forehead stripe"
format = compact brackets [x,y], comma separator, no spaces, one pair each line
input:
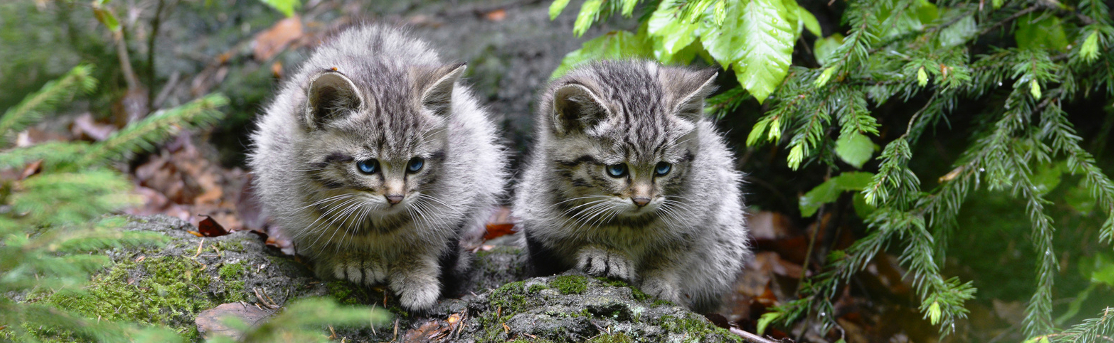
[641,120]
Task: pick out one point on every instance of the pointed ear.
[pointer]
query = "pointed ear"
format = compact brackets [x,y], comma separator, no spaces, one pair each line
[576,109]
[331,95]
[437,95]
[691,88]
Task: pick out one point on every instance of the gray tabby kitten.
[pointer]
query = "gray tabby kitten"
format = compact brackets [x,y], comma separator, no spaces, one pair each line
[630,181]
[374,159]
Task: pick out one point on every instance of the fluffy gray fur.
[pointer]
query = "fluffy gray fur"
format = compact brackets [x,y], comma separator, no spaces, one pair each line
[373,92]
[688,240]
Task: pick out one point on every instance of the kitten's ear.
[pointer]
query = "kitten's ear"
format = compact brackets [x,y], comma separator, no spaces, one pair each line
[331,95]
[437,95]
[576,109]
[691,88]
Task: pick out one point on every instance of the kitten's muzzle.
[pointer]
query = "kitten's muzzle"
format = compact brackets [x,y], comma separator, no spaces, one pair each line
[394,198]
[640,201]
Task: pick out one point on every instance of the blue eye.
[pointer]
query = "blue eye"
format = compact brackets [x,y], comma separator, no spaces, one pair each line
[663,168]
[415,164]
[368,166]
[617,170]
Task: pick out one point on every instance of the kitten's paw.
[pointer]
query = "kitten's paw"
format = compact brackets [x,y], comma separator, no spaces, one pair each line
[417,295]
[600,262]
[361,272]
[662,289]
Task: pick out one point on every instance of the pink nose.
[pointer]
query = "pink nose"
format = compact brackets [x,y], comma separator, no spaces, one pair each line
[640,201]
[394,198]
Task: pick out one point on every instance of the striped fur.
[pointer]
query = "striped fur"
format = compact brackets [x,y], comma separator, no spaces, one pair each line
[373,92]
[688,243]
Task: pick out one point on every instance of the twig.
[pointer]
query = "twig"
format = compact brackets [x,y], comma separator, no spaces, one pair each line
[1008,19]
[750,336]
[125,61]
[155,23]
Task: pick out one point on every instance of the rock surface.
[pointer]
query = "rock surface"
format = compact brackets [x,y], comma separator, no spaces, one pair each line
[175,282]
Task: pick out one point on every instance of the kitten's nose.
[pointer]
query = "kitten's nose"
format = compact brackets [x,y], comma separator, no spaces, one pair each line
[394,198]
[640,201]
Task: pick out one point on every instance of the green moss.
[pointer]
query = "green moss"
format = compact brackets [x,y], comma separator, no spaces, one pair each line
[697,328]
[172,292]
[510,297]
[537,287]
[236,245]
[637,293]
[569,284]
[232,275]
[611,338]
[231,271]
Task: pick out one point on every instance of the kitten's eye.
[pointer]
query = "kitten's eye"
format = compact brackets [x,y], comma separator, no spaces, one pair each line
[617,170]
[663,168]
[368,166]
[415,165]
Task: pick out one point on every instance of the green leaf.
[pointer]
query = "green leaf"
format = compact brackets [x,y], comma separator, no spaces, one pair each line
[765,321]
[775,131]
[1044,339]
[1080,199]
[829,190]
[588,13]
[1103,270]
[922,77]
[862,209]
[756,40]
[670,33]
[1036,31]
[756,132]
[855,149]
[556,7]
[1046,178]
[934,312]
[959,33]
[287,7]
[824,76]
[796,155]
[106,17]
[1089,50]
[612,45]
[719,13]
[809,21]
[824,46]
[997,3]
[628,7]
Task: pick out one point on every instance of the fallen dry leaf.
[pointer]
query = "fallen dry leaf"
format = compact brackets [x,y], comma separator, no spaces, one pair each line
[31,169]
[496,15]
[84,126]
[210,228]
[211,322]
[272,41]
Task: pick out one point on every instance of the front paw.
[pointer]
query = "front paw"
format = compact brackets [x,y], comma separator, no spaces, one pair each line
[662,289]
[599,262]
[363,272]
[416,294]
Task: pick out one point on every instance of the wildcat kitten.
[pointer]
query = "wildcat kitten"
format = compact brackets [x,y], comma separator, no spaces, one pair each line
[374,159]
[630,181]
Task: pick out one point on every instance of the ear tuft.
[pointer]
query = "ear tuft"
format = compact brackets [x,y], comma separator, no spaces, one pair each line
[692,87]
[438,95]
[576,109]
[331,95]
